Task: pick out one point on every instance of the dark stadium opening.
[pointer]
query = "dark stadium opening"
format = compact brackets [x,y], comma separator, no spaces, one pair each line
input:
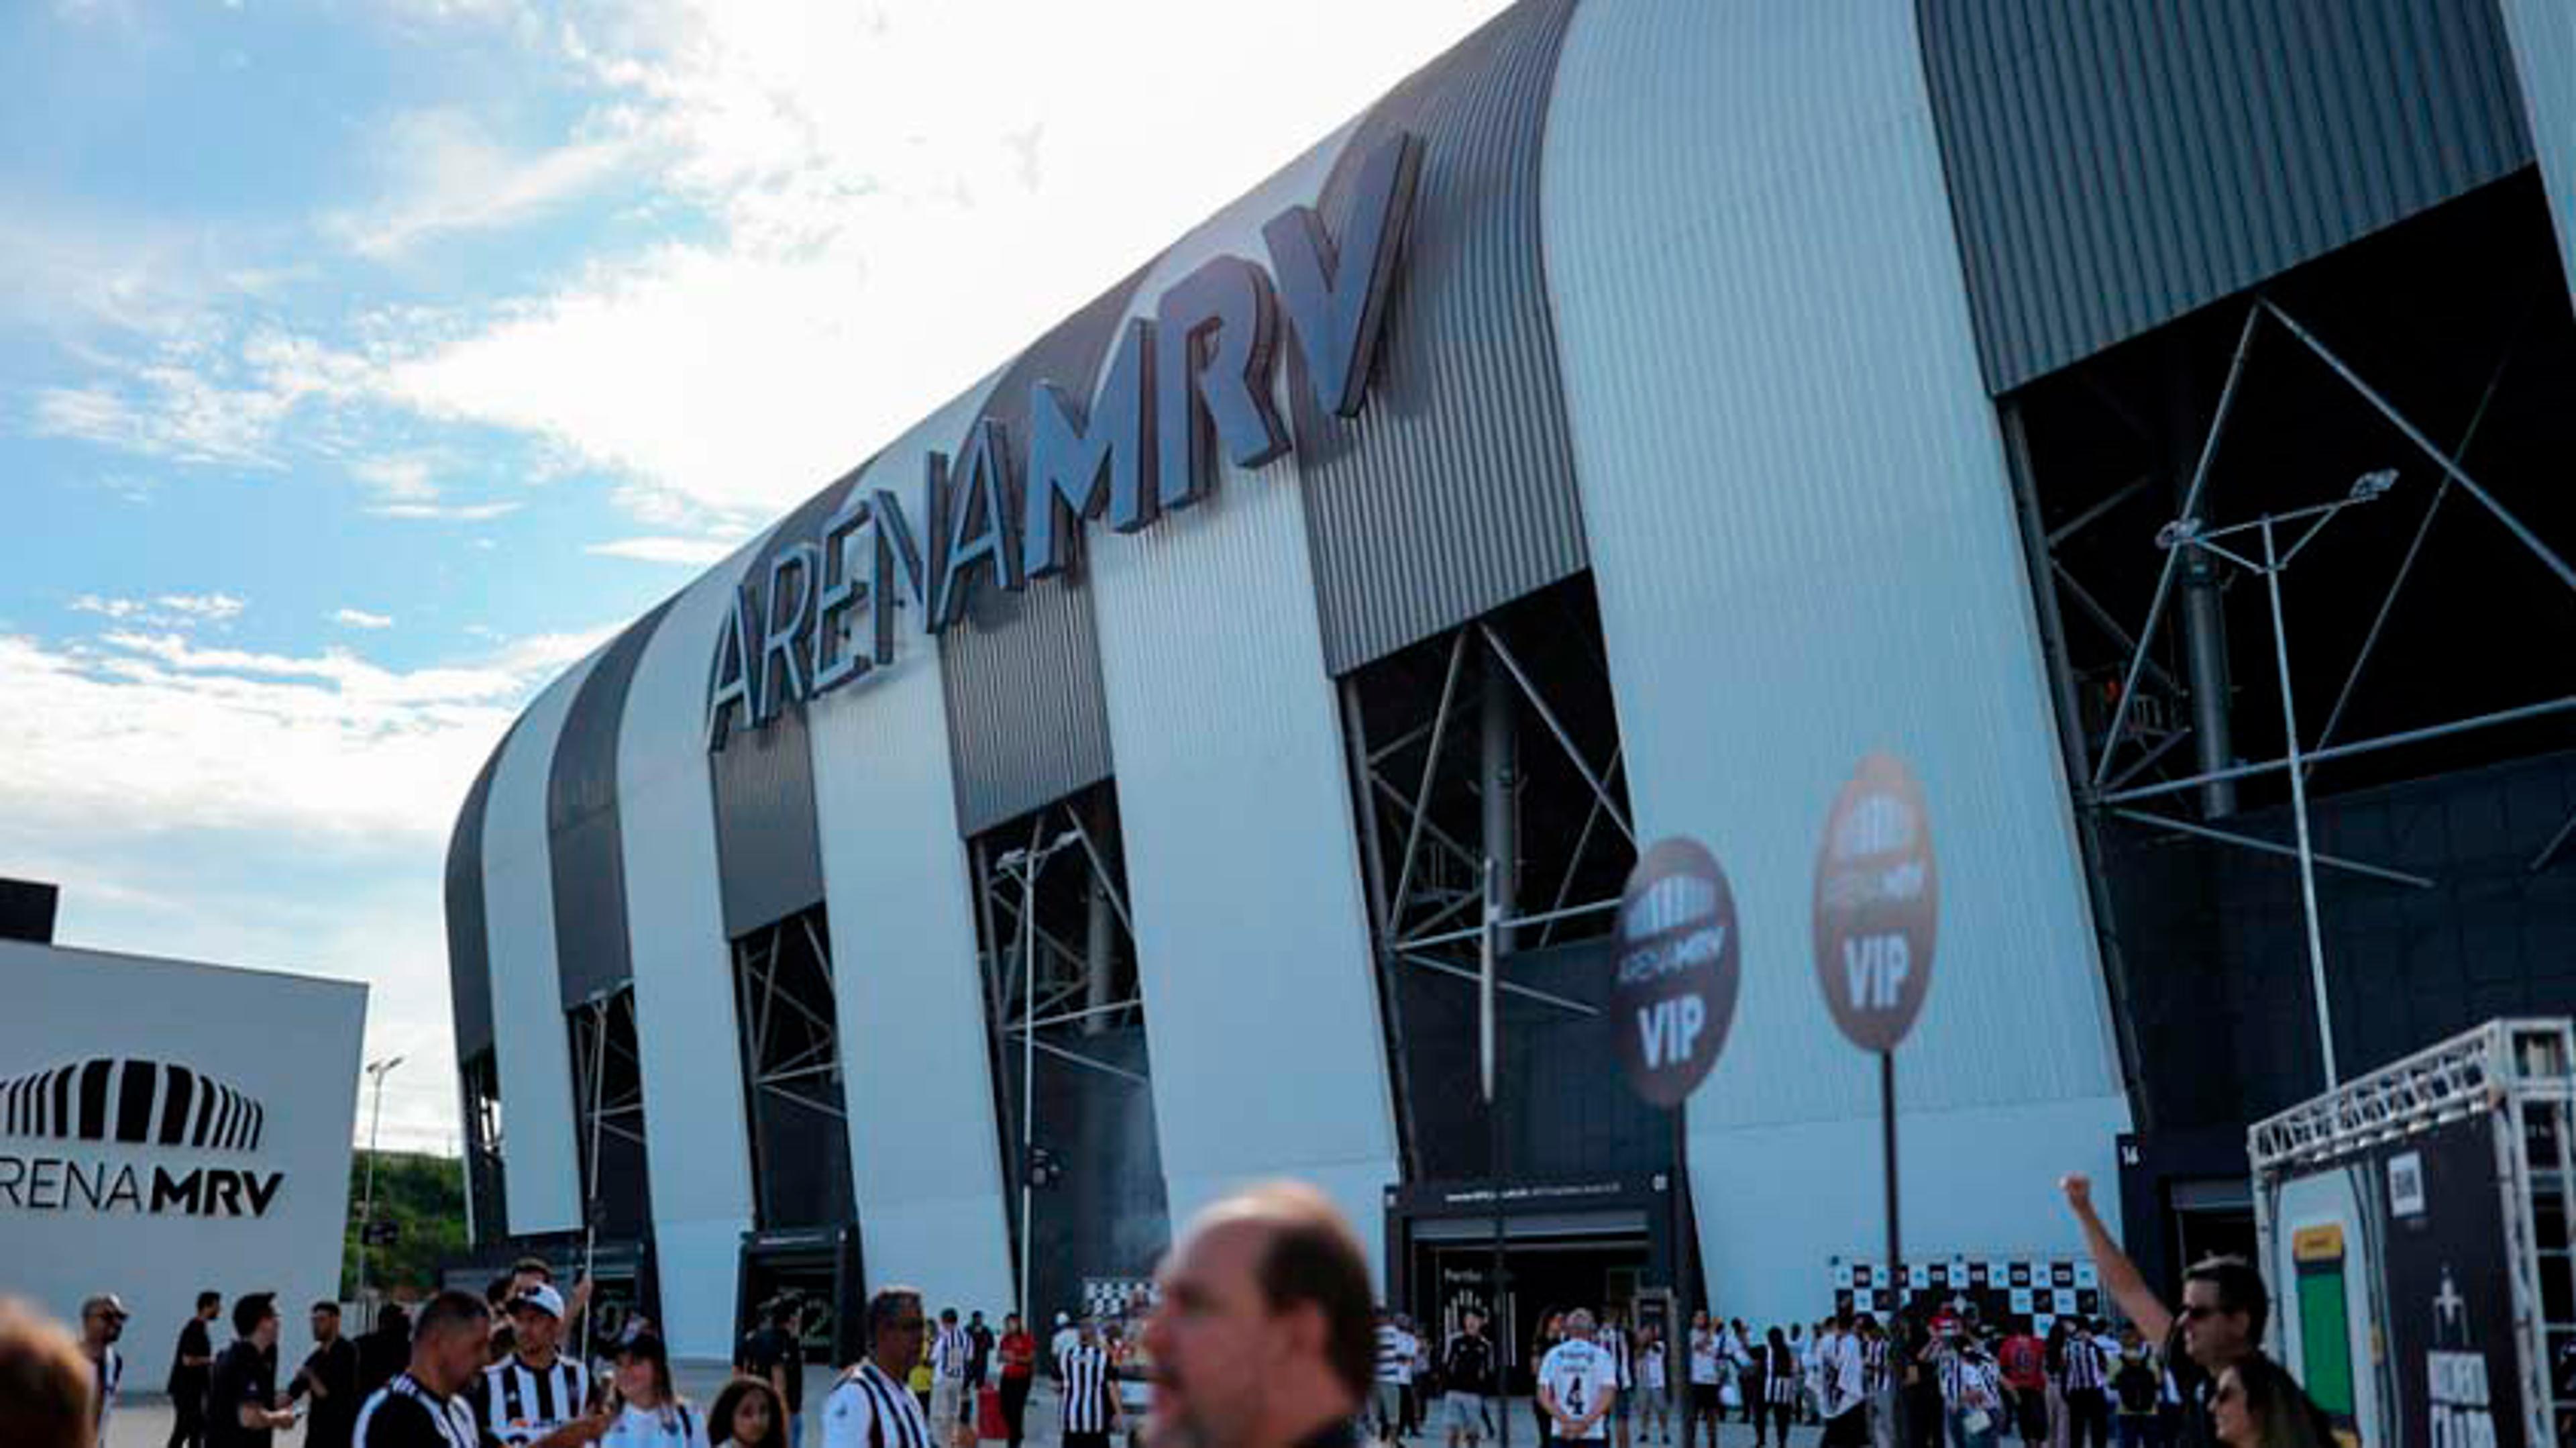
[608,1114]
[789,1035]
[1065,1020]
[2422,629]
[487,1209]
[1498,741]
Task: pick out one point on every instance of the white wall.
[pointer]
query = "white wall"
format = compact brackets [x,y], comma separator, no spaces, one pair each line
[1252,940]
[2543,33]
[289,1042]
[540,1160]
[914,1064]
[1805,549]
[699,1149]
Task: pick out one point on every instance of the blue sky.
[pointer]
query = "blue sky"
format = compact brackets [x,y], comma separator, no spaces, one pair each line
[364,364]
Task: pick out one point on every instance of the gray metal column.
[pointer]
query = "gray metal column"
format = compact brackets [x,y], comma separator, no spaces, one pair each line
[1497,776]
[2204,615]
[1099,958]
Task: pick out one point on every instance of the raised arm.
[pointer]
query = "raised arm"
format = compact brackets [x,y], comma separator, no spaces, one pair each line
[2120,1276]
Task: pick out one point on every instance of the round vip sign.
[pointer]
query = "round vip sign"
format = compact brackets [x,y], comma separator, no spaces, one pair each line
[1672,990]
[1878,904]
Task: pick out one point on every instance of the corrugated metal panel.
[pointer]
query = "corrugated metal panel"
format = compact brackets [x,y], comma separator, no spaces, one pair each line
[469,954]
[764,778]
[1252,942]
[1026,724]
[532,1048]
[2115,166]
[1453,493]
[926,1174]
[589,867]
[1805,549]
[2544,59]
[684,999]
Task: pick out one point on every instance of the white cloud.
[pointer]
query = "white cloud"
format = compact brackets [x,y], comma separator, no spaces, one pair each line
[446,512]
[694,552]
[170,610]
[450,176]
[360,618]
[397,479]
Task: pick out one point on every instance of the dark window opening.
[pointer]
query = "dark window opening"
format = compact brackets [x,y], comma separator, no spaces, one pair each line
[608,1114]
[489,1201]
[790,1056]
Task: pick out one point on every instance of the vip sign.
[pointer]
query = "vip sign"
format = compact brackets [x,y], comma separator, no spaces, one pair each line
[1185,384]
[133,1137]
[1677,971]
[1877,904]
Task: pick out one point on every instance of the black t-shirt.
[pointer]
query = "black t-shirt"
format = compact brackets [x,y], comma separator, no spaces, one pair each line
[335,1412]
[771,1347]
[404,1414]
[1467,1366]
[244,1374]
[982,1338]
[381,1355]
[187,1384]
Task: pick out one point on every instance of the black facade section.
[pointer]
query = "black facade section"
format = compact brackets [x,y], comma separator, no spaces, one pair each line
[469,941]
[2113,167]
[768,846]
[2215,937]
[1453,490]
[1567,1108]
[1027,719]
[1107,1217]
[27,910]
[584,839]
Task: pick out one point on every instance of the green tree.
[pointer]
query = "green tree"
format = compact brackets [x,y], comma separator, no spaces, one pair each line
[424,1197]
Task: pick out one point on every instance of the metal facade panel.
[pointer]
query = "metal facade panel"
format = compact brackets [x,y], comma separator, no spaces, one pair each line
[700,1154]
[764,778]
[1252,942]
[1805,549]
[928,1181]
[2112,167]
[540,1164]
[591,953]
[2543,33]
[469,953]
[1026,725]
[1453,493]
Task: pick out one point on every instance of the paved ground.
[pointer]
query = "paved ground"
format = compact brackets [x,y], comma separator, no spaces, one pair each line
[144,1422]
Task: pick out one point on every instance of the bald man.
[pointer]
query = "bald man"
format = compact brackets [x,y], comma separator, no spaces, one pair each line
[1265,1336]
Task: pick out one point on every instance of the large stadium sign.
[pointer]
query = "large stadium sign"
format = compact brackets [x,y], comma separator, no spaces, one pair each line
[124,1136]
[1192,378]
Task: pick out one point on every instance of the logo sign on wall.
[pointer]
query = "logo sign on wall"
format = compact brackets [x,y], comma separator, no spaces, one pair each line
[101,1114]
[1673,990]
[1878,904]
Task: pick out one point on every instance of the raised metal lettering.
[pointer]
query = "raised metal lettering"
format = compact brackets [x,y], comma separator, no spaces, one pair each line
[1215,339]
[1336,296]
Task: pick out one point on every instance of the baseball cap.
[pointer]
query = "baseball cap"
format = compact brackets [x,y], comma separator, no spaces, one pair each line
[107,1302]
[541,1297]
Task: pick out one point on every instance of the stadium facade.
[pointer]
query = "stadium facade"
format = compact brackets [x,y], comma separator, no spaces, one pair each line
[1637,417]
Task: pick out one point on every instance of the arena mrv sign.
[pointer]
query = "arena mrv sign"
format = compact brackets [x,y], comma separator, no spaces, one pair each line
[126,1136]
[1192,378]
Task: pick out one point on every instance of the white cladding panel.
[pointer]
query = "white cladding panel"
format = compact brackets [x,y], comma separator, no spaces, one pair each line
[1252,940]
[541,1165]
[914,1063]
[1805,549]
[229,1026]
[2543,33]
[699,1147]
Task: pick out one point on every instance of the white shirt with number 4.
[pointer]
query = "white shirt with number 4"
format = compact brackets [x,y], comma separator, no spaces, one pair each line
[1581,1377]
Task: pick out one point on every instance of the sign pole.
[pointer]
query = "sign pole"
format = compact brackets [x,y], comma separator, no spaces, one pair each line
[1894,1407]
[1488,1043]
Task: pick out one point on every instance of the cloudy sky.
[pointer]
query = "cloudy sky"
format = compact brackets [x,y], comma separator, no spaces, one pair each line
[365,362]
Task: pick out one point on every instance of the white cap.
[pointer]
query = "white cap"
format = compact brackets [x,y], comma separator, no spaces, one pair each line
[1064,1319]
[543,1298]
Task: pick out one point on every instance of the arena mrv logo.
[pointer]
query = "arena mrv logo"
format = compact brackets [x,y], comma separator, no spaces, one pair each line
[108,1111]
[1192,378]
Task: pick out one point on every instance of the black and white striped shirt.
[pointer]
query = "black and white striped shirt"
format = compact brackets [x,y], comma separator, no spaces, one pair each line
[2085,1370]
[518,1403]
[1087,1405]
[1873,1362]
[949,1353]
[406,1414]
[1970,1382]
[867,1409]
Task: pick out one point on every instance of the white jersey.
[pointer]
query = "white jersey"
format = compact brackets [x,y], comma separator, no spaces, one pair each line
[867,1409]
[1705,1356]
[1066,1339]
[673,1425]
[1582,1378]
[1650,1367]
[1842,1374]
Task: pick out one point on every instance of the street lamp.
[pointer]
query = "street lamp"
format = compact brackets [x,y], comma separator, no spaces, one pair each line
[2370,487]
[377,1071]
[1023,866]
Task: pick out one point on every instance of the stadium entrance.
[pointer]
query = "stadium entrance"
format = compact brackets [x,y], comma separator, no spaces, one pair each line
[1596,1243]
